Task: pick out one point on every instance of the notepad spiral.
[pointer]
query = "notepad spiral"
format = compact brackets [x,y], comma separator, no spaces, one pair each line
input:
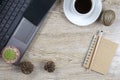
[90,52]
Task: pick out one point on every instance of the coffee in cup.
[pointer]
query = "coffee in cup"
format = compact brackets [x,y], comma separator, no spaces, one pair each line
[83,6]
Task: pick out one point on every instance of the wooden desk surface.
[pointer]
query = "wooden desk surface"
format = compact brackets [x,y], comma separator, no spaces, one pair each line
[66,44]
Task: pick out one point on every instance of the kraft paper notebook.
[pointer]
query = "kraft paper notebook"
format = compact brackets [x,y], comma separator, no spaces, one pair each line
[100,54]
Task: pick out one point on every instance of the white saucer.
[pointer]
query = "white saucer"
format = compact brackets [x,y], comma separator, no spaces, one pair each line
[77,19]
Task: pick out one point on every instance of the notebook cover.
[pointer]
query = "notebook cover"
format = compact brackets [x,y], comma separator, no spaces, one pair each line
[104,55]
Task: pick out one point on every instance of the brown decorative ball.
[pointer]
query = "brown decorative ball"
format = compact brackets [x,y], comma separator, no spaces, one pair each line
[107,17]
[49,66]
[26,67]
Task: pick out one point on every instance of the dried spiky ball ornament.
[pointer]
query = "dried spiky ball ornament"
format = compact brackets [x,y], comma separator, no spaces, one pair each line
[49,66]
[26,67]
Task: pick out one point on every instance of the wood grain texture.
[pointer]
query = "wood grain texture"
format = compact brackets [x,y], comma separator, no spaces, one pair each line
[66,44]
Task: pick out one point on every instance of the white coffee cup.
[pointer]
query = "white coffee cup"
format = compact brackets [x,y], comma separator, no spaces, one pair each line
[79,18]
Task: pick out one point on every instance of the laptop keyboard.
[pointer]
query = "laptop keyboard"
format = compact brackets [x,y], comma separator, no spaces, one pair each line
[11,12]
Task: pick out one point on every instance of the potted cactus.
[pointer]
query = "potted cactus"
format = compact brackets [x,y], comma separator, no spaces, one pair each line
[10,54]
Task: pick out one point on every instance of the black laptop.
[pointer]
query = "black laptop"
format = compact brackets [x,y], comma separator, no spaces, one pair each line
[20,20]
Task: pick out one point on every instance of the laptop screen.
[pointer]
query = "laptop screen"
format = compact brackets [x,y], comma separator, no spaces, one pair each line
[37,10]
